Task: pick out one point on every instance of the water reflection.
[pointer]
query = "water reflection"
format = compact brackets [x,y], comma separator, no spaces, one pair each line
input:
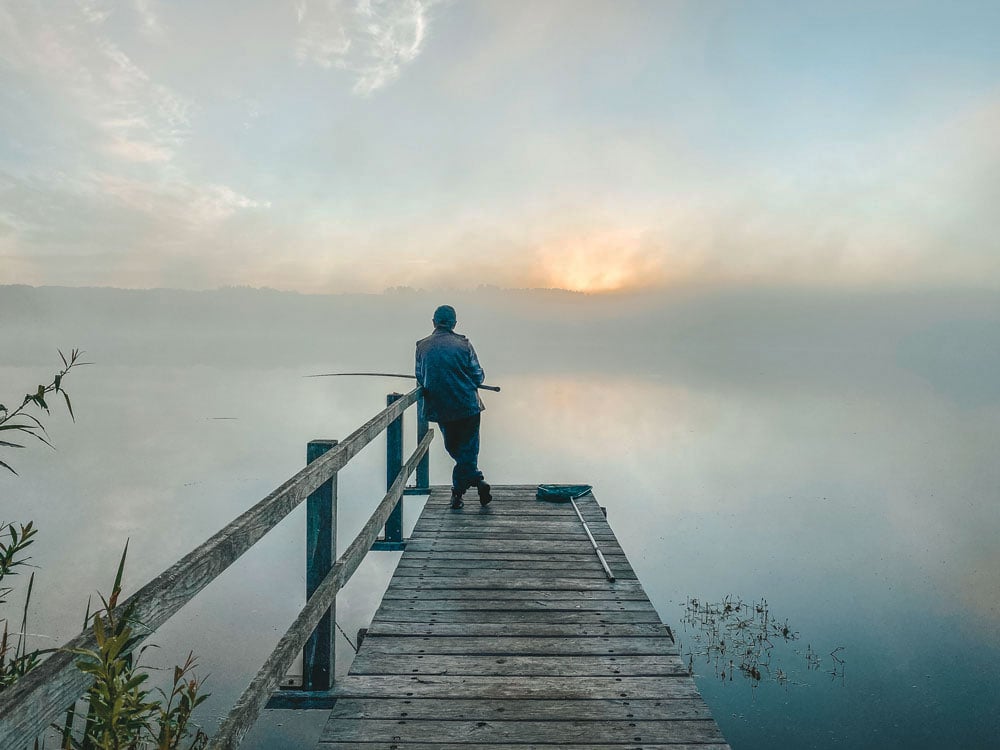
[814,453]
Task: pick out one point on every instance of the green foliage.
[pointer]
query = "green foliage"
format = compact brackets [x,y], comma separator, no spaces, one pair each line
[174,719]
[15,659]
[20,421]
[123,714]
[14,541]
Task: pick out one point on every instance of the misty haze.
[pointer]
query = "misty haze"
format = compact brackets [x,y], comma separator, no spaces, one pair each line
[830,452]
[734,265]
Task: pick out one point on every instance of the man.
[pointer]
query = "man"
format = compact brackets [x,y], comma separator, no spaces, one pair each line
[450,373]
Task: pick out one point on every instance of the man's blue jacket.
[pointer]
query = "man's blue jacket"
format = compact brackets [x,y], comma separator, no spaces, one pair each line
[449,371]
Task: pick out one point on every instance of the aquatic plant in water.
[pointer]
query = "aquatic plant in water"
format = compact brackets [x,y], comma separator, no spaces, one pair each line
[735,637]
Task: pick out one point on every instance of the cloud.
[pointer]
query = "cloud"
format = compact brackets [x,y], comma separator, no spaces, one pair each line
[372,39]
[97,165]
[150,24]
[178,203]
[98,89]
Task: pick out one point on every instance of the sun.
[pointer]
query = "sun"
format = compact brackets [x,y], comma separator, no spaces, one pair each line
[598,262]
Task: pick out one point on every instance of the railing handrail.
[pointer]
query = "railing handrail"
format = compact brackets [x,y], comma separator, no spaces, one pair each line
[248,707]
[37,699]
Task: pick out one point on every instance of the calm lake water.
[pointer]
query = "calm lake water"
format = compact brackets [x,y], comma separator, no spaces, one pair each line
[846,475]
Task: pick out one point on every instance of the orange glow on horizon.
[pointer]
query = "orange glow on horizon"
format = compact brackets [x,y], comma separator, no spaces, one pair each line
[603,262]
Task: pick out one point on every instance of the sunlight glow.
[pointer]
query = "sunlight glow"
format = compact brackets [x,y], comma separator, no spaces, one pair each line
[599,262]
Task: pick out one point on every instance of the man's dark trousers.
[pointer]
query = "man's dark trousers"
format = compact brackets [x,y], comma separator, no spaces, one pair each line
[461,440]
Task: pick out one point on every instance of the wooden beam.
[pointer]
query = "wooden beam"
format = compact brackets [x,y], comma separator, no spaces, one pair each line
[243,715]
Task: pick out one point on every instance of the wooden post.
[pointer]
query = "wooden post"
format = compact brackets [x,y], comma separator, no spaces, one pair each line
[424,467]
[319,654]
[393,463]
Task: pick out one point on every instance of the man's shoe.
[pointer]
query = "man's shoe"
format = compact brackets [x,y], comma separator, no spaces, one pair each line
[456,502]
[484,494]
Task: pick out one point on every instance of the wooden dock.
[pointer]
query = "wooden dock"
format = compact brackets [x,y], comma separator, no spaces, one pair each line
[500,628]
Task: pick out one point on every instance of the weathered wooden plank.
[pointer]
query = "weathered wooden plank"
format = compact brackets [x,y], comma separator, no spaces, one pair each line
[499,580]
[402,744]
[243,715]
[503,545]
[512,582]
[413,555]
[514,532]
[373,662]
[562,616]
[500,630]
[514,490]
[567,646]
[443,490]
[498,688]
[508,517]
[492,732]
[486,560]
[520,523]
[504,594]
[522,605]
[512,629]
[455,569]
[483,572]
[42,695]
[440,513]
[506,497]
[474,535]
[499,514]
[529,710]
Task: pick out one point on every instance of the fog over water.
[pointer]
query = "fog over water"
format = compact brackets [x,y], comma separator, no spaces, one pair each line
[832,451]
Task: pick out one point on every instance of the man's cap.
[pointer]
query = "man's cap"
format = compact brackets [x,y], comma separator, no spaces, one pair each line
[444,317]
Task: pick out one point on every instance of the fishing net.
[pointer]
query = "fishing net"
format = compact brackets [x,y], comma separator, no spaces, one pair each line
[561,493]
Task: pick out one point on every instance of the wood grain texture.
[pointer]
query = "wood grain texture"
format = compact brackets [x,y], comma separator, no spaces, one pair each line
[531,710]
[500,629]
[513,630]
[243,715]
[545,665]
[564,617]
[509,594]
[521,646]
[580,570]
[521,605]
[520,730]
[402,744]
[497,688]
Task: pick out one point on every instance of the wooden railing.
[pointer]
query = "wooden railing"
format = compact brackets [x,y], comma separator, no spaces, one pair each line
[44,694]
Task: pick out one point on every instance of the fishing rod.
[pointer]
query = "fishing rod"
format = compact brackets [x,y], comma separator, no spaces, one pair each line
[495,388]
[600,555]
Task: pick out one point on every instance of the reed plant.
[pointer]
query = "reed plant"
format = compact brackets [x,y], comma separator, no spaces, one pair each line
[20,420]
[15,659]
[121,712]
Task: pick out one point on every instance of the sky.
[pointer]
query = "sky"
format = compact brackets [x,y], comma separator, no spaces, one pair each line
[357,145]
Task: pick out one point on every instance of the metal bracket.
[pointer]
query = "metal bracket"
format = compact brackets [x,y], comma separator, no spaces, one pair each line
[302,699]
[381,545]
